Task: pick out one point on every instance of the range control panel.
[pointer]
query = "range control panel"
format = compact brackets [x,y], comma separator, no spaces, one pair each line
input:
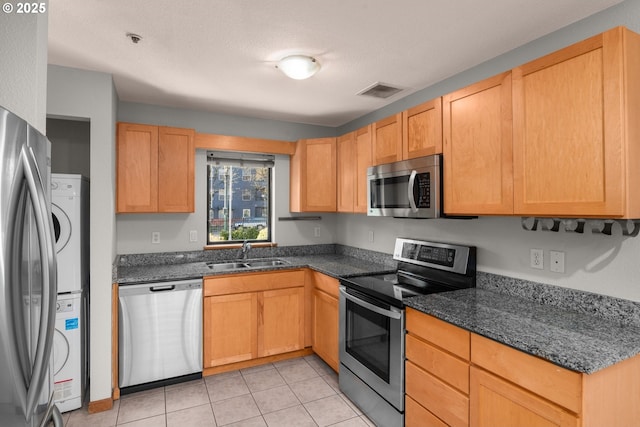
[442,256]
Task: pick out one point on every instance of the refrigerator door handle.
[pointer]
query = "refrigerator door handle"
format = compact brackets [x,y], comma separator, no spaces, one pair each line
[47,255]
[53,415]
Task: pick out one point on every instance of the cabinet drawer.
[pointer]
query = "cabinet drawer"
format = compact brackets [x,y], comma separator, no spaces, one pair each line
[417,416]
[448,368]
[496,402]
[326,284]
[252,282]
[550,381]
[441,399]
[443,334]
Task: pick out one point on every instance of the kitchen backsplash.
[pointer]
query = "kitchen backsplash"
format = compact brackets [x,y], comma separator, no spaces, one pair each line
[131,260]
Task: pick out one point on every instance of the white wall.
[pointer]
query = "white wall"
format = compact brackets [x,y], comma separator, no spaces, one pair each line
[90,95]
[23,67]
[134,230]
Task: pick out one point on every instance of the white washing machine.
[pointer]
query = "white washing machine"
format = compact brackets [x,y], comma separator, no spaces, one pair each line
[70,214]
[68,358]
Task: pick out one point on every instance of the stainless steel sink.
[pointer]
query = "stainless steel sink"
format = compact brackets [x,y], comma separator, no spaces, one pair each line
[223,266]
[265,263]
[238,265]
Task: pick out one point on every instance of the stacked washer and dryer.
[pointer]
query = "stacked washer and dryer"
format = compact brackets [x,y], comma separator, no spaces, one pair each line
[70,211]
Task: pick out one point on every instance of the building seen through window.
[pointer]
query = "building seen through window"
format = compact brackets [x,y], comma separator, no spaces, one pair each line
[238,197]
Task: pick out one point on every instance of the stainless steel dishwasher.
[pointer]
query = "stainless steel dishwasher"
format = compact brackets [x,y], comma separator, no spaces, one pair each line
[160,333]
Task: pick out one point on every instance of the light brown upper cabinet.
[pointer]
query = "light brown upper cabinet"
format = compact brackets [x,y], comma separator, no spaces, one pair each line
[346,146]
[422,130]
[386,144]
[477,146]
[313,176]
[363,161]
[576,129]
[155,169]
[354,157]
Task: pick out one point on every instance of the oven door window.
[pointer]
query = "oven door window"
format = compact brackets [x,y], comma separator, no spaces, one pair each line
[368,339]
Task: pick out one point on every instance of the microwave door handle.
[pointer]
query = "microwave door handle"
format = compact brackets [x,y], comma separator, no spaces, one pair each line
[412,200]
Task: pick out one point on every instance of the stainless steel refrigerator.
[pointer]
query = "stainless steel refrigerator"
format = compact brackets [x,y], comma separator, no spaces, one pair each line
[27,276]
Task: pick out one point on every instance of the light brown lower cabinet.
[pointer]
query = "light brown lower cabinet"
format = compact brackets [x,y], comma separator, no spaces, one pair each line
[251,316]
[496,402]
[437,372]
[325,319]
[230,328]
[499,386]
[280,321]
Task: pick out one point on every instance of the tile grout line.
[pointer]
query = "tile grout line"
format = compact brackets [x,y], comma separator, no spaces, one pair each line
[319,372]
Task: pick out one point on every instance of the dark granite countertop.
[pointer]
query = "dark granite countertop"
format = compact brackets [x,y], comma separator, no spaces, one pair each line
[573,340]
[334,265]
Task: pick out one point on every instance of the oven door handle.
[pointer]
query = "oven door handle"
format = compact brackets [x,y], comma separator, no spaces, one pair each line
[393,313]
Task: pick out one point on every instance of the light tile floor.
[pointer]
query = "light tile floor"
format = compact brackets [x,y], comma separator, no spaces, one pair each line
[293,393]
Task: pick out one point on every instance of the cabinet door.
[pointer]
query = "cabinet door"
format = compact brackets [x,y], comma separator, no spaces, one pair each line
[176,155]
[313,176]
[346,172]
[281,321]
[325,328]
[478,164]
[137,173]
[569,135]
[230,328]
[422,130]
[363,159]
[495,403]
[387,140]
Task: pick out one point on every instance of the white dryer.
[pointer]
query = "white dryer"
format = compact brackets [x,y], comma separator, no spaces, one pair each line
[70,214]
[68,356]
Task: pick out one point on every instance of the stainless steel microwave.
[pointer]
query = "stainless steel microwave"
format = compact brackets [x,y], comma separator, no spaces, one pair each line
[406,189]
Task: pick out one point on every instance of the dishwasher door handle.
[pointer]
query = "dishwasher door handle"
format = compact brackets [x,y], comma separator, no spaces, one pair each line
[162,288]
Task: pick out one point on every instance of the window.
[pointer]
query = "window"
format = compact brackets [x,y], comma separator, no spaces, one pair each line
[238,202]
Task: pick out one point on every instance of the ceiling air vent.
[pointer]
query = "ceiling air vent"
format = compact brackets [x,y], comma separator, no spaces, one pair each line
[380,90]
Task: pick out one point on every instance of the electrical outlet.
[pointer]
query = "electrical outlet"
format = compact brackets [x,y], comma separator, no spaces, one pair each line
[316,231]
[537,259]
[193,236]
[155,237]
[556,261]
[370,236]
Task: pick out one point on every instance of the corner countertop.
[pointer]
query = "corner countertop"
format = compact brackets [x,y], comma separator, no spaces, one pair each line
[331,264]
[572,340]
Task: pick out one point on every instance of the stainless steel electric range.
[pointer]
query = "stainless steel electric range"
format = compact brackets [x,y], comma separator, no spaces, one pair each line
[372,322]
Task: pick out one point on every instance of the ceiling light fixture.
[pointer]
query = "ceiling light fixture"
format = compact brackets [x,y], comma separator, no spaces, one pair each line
[298,67]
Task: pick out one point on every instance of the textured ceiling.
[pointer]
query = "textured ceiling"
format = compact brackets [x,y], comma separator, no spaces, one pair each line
[220,55]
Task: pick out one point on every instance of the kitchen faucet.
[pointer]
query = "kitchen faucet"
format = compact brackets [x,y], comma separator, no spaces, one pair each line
[246,247]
